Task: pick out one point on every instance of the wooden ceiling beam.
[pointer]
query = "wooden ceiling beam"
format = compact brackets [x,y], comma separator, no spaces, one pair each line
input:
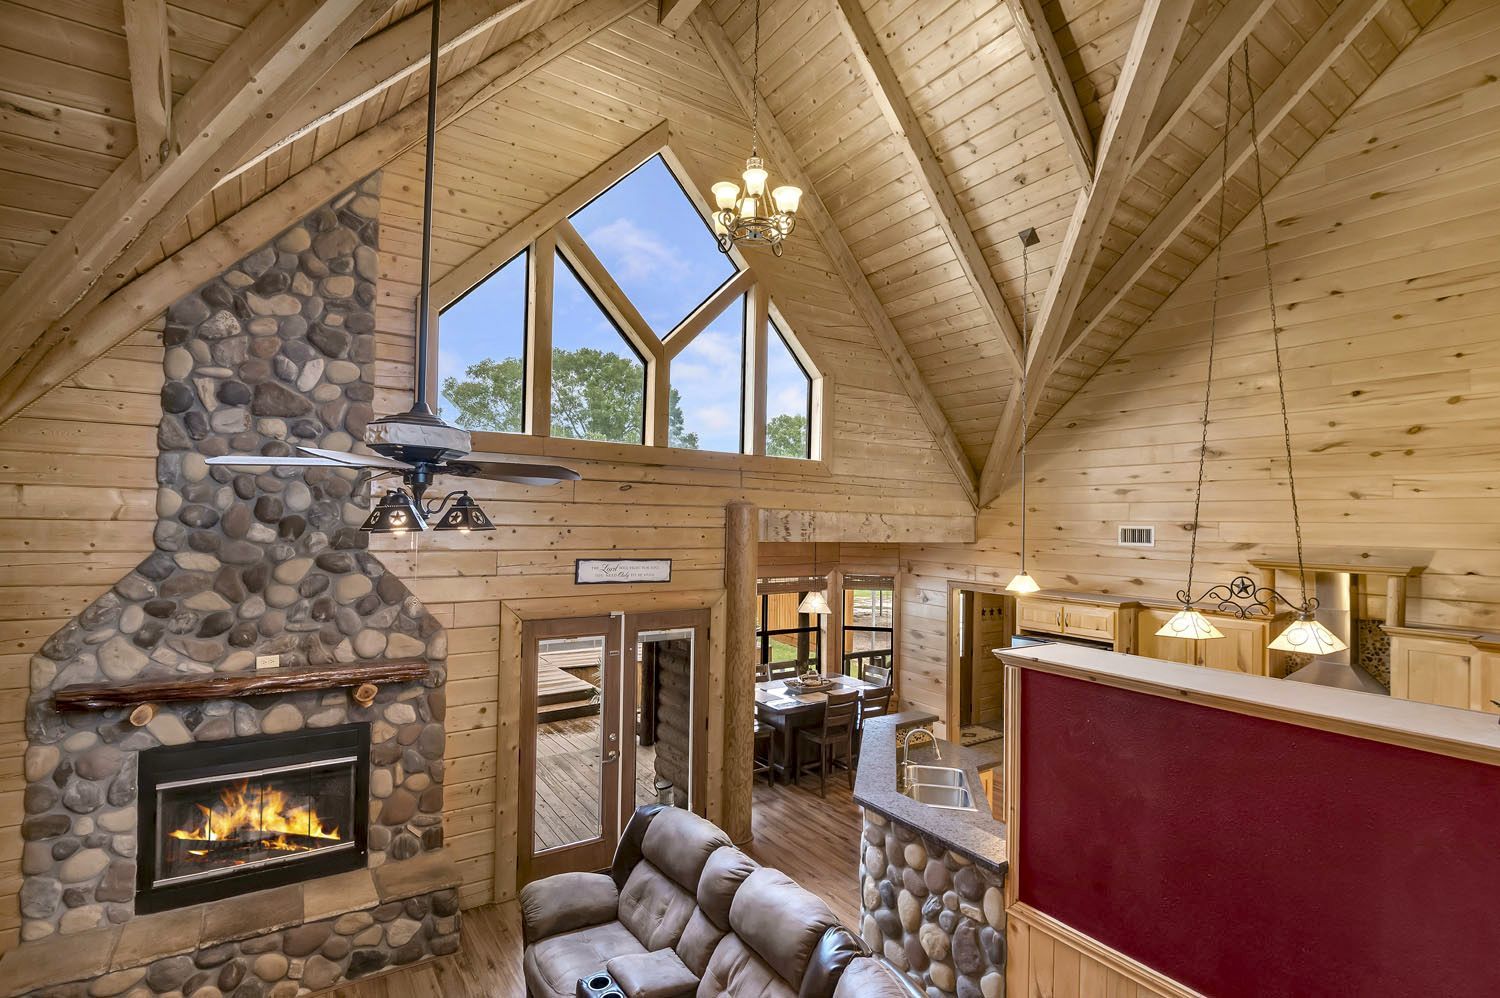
[86,335]
[816,216]
[275,57]
[1056,83]
[1200,66]
[1272,106]
[927,170]
[150,61]
[1142,76]
[673,14]
[379,62]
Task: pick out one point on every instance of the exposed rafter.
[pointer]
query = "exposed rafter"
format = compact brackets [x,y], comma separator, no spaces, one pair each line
[1142,76]
[1273,105]
[272,61]
[928,172]
[673,14]
[815,215]
[150,61]
[69,345]
[1056,83]
[379,62]
[1201,65]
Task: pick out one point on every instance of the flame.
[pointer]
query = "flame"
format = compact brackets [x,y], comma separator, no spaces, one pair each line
[266,812]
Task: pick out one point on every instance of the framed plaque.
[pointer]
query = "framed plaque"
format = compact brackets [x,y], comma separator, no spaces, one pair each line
[617,571]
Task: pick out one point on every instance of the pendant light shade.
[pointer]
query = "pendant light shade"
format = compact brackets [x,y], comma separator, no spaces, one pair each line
[1022,584]
[815,603]
[1308,637]
[396,513]
[463,516]
[1189,623]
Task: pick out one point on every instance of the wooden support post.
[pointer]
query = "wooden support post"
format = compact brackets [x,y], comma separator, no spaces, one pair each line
[758,336]
[150,81]
[539,335]
[833,623]
[1395,601]
[741,550]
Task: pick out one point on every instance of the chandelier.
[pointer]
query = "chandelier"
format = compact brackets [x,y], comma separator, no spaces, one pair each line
[1023,583]
[1241,596]
[744,215]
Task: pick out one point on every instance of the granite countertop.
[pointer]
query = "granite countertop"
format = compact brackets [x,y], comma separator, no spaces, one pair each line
[976,834]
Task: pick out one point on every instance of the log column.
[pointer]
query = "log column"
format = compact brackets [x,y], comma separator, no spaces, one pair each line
[740,572]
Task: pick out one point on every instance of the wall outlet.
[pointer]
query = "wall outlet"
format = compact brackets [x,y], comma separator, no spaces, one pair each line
[264,662]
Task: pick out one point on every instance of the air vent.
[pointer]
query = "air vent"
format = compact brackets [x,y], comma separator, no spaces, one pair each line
[1137,537]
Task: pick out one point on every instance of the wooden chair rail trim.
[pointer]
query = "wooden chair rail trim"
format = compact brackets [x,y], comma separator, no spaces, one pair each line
[1155,983]
[222,686]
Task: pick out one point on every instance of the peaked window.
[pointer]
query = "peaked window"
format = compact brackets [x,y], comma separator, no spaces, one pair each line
[652,240]
[481,357]
[707,385]
[598,377]
[788,400]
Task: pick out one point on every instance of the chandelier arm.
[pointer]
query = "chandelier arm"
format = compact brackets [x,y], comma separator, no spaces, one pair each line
[1286,423]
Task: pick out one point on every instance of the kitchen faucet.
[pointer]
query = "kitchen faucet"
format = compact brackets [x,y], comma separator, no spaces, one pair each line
[903,747]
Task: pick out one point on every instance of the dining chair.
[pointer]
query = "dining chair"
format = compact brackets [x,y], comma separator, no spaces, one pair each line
[762,673]
[764,735]
[872,703]
[840,712]
[785,670]
[877,671]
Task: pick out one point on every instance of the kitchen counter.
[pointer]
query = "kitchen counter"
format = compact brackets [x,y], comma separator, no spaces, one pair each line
[974,834]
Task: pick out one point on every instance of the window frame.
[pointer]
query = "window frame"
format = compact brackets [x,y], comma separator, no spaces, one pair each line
[763,636]
[528,251]
[548,231]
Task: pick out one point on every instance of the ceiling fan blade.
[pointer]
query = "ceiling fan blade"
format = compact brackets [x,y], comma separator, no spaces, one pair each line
[495,468]
[357,460]
[261,461]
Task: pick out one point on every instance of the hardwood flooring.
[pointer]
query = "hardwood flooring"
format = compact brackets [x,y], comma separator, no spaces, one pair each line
[567,781]
[814,840]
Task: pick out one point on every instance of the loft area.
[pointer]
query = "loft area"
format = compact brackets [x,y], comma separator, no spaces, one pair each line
[567,497]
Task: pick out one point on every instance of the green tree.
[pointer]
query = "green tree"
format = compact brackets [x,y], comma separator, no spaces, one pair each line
[595,396]
[786,436]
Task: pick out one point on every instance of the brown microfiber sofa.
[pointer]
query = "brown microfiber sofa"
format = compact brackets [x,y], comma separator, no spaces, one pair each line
[683,912]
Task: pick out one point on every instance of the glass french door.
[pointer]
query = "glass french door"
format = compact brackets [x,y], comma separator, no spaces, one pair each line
[614,717]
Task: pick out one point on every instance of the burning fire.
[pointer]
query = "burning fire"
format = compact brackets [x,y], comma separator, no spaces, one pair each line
[241,816]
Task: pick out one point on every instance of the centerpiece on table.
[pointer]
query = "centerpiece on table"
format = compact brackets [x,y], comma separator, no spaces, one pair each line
[810,681]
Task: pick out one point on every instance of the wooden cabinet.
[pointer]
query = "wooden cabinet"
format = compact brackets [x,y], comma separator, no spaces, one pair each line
[1441,670]
[1045,616]
[1242,648]
[1093,622]
[1065,615]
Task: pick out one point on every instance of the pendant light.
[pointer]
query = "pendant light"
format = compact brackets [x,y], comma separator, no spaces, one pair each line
[815,603]
[1023,583]
[743,217]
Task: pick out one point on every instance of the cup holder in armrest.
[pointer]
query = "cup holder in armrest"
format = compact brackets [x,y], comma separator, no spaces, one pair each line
[600,985]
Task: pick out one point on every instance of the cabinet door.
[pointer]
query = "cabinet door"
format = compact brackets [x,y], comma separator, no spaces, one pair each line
[1241,649]
[1150,645]
[1489,682]
[1089,622]
[1039,615]
[1432,672]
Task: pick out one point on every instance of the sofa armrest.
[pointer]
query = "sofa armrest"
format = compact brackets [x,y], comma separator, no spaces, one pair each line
[659,974]
[566,902]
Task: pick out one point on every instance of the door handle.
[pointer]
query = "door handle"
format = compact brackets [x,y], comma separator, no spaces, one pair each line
[611,755]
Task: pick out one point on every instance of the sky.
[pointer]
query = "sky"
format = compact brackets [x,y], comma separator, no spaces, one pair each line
[658,249]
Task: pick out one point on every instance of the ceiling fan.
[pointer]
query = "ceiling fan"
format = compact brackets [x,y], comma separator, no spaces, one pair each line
[418,444]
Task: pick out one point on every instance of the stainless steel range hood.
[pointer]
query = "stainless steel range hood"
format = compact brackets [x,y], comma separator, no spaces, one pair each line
[1335,593]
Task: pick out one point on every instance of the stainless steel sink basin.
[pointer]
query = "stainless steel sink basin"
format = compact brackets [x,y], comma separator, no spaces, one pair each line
[952,797]
[937,776]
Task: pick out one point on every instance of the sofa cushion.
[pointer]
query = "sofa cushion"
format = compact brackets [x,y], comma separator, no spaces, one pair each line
[779,921]
[654,908]
[698,942]
[652,975]
[679,842]
[866,977]
[565,902]
[835,951]
[722,875]
[737,971]
[554,965]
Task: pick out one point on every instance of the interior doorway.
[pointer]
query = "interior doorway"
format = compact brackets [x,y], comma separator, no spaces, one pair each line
[613,714]
[980,621]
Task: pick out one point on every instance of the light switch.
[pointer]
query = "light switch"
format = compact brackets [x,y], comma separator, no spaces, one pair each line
[264,662]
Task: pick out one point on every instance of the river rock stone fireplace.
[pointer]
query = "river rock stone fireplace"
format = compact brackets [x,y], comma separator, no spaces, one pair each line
[143,822]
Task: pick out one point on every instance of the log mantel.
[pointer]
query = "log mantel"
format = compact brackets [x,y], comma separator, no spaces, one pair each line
[228,685]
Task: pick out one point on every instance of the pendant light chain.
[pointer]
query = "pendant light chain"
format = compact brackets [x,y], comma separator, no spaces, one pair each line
[755,84]
[425,293]
[1213,322]
[1265,232]
[1025,419]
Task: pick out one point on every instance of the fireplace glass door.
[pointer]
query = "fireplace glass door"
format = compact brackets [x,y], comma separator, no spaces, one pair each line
[259,818]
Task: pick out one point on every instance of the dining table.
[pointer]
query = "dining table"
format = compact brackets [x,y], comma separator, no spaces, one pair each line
[788,711]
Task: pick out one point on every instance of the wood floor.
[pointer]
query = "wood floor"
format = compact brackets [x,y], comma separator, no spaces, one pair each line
[814,840]
[567,781]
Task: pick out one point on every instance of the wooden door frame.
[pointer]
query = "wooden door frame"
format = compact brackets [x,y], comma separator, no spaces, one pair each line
[698,621]
[952,671]
[596,853]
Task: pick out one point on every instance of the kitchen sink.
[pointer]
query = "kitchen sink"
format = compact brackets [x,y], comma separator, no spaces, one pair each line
[955,798]
[937,776]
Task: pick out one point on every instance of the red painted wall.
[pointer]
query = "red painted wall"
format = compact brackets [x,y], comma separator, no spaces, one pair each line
[1249,858]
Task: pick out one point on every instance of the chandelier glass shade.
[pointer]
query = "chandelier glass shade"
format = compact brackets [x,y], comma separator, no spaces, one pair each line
[1189,623]
[744,215]
[815,603]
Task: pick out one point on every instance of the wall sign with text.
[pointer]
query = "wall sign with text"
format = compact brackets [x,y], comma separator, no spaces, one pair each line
[614,571]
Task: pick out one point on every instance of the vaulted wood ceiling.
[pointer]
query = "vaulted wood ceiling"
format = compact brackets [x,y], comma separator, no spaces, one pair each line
[931,132]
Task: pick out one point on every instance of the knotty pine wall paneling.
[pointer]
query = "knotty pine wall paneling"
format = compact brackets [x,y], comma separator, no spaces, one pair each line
[1388,286]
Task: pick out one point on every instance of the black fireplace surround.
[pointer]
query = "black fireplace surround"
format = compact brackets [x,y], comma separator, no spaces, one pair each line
[220,819]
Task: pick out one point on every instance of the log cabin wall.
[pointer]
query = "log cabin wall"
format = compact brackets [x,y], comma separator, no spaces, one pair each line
[1388,289]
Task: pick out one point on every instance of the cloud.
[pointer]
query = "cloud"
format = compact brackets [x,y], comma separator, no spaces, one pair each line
[635,253]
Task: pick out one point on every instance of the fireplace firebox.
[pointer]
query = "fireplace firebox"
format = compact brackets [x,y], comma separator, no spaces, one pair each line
[220,819]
